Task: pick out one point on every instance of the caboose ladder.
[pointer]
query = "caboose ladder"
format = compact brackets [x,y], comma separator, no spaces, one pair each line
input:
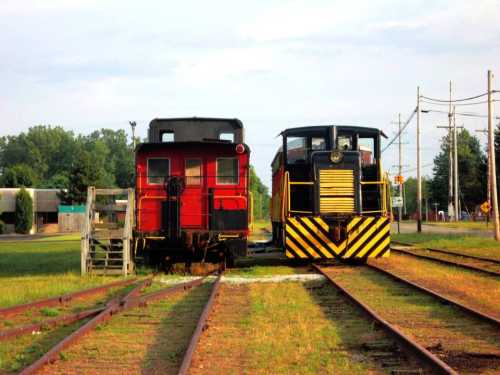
[107,232]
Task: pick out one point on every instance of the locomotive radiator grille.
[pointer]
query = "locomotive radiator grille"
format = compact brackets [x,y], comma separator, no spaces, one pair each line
[336,191]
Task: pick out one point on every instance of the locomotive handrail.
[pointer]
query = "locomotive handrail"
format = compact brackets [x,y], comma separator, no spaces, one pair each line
[289,183]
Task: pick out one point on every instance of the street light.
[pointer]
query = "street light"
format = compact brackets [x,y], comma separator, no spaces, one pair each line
[133,124]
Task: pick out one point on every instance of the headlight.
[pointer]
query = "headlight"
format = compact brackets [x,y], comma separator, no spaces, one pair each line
[336,156]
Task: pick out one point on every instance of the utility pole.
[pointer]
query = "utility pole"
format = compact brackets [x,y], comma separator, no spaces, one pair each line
[488,186]
[400,170]
[419,177]
[133,125]
[455,169]
[491,145]
[451,209]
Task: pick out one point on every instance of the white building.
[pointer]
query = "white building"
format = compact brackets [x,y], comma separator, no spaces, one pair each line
[45,209]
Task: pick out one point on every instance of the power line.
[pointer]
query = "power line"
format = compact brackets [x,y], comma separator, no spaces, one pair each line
[414,169]
[400,131]
[460,104]
[458,113]
[455,100]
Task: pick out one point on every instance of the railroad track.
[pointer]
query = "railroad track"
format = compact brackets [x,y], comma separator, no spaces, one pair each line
[96,315]
[420,331]
[200,327]
[473,263]
[428,359]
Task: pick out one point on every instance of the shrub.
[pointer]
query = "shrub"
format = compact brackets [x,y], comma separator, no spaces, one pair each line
[2,227]
[24,212]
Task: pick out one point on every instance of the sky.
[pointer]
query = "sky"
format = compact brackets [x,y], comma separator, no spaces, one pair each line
[91,64]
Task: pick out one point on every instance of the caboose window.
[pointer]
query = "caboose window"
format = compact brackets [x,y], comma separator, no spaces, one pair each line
[158,169]
[193,172]
[226,137]
[227,171]
[167,136]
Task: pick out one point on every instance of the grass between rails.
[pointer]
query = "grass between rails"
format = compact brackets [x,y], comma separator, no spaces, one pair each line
[286,328]
[260,230]
[469,287]
[34,270]
[468,245]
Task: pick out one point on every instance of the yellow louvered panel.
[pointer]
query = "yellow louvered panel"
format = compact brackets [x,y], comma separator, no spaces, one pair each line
[336,190]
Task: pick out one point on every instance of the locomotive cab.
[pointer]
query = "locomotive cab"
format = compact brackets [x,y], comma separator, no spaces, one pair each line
[192,190]
[330,197]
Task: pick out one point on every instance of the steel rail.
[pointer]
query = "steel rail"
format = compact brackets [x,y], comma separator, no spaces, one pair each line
[116,305]
[51,323]
[200,327]
[62,298]
[476,313]
[448,262]
[426,356]
[448,252]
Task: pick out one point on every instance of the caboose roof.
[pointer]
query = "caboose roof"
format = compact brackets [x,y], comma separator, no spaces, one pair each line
[200,129]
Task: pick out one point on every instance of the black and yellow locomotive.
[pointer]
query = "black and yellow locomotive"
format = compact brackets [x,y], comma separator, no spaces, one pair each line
[330,198]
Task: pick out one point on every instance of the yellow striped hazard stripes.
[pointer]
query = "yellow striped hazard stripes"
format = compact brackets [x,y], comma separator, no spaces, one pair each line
[310,238]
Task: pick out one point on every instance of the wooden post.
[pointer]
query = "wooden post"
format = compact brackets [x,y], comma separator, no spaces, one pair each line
[419,177]
[455,168]
[87,224]
[493,174]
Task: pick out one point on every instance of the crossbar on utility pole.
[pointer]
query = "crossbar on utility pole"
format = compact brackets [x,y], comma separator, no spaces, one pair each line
[491,143]
[419,177]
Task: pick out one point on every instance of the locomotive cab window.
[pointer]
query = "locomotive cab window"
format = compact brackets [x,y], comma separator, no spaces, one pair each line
[158,169]
[227,171]
[366,147]
[193,172]
[318,144]
[344,142]
[296,150]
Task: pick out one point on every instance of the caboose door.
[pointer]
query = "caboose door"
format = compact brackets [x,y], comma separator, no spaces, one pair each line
[193,208]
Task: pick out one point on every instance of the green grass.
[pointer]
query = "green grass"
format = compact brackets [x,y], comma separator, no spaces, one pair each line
[476,225]
[62,237]
[469,245]
[33,270]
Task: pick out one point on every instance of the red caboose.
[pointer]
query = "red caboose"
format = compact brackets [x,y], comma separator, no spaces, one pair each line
[192,190]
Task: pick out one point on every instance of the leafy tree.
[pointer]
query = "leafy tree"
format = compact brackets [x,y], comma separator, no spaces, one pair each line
[471,169]
[19,175]
[24,212]
[410,189]
[261,196]
[84,172]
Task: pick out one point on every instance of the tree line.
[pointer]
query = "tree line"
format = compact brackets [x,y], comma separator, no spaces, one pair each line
[472,169]
[51,157]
